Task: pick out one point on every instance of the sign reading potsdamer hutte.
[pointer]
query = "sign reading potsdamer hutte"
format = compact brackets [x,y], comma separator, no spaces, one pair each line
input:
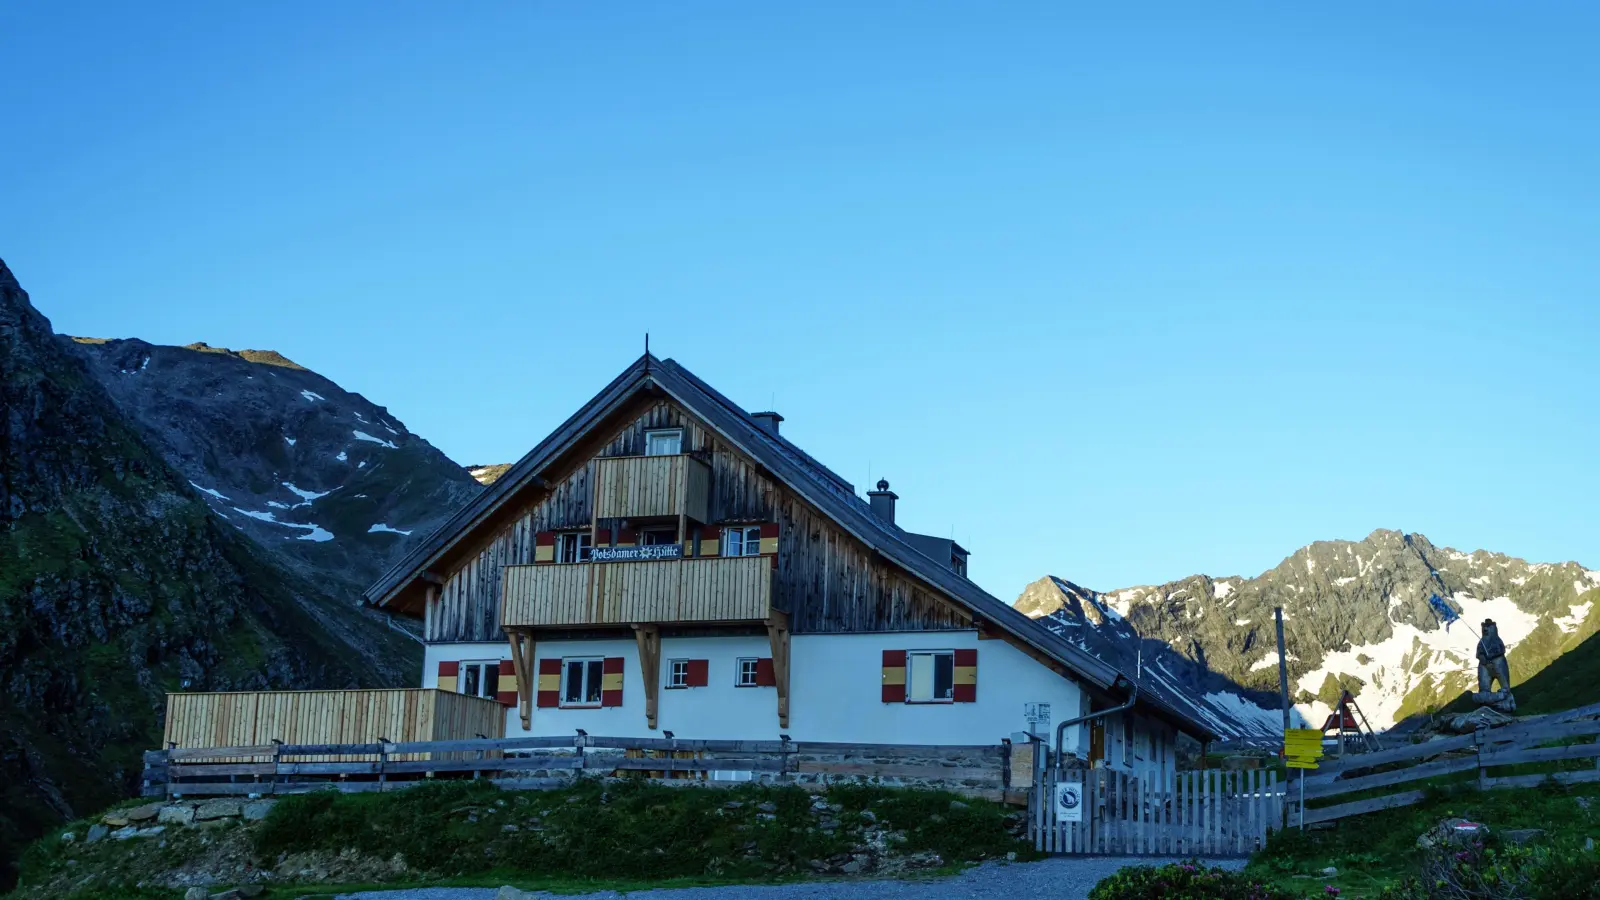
[623,554]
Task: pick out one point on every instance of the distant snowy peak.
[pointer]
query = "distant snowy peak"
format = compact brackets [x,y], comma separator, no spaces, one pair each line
[1357,618]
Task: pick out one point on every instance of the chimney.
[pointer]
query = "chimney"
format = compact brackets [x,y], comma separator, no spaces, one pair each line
[768,421]
[882,501]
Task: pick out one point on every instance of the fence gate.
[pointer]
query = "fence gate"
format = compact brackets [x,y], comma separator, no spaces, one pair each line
[1208,813]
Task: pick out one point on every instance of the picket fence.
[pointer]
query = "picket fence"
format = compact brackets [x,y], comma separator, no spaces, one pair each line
[1104,811]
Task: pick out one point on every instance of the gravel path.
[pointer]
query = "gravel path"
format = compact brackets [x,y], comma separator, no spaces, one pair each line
[1059,878]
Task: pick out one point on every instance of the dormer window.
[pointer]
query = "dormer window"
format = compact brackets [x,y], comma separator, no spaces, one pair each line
[663,442]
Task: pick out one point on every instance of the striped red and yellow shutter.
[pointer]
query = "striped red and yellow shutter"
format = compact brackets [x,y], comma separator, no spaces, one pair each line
[710,541]
[611,682]
[549,686]
[544,547]
[627,537]
[698,673]
[602,537]
[769,538]
[965,688]
[765,676]
[894,676]
[448,672]
[506,689]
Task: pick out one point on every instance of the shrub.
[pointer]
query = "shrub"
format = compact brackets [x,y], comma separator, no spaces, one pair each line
[1570,874]
[1184,881]
[1476,871]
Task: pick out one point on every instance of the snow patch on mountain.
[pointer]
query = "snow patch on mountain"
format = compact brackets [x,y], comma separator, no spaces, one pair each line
[382,528]
[363,436]
[212,491]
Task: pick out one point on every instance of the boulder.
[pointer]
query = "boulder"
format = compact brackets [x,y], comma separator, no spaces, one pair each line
[143,813]
[125,832]
[1453,833]
[69,837]
[256,810]
[177,814]
[1482,717]
[218,809]
[196,893]
[507,892]
[1521,835]
[96,832]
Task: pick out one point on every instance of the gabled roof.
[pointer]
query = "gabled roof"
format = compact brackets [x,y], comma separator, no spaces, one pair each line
[799,472]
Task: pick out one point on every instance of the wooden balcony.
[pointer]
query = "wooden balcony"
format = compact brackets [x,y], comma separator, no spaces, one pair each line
[732,589]
[636,487]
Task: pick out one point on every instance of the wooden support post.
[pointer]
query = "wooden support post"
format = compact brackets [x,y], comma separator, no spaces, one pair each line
[522,646]
[649,640]
[778,634]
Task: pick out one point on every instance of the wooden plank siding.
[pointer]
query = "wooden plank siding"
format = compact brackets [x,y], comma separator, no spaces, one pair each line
[827,581]
[645,486]
[258,718]
[715,589]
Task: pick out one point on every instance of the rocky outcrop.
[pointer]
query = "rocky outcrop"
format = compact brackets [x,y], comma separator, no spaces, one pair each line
[117,584]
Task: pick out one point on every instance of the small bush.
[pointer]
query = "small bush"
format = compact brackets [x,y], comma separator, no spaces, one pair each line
[1570,874]
[1184,881]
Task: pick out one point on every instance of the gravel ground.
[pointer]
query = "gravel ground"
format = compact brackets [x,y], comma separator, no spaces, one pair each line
[1059,878]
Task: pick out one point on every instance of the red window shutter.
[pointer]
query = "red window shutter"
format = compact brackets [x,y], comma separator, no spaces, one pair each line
[544,547]
[611,682]
[549,686]
[626,537]
[965,689]
[506,689]
[698,674]
[449,668]
[602,537]
[894,676]
[765,677]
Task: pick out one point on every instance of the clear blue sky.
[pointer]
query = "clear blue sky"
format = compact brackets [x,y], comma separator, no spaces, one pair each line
[1121,292]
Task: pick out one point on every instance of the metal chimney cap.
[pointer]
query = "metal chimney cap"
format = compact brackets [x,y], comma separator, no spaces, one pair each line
[883,484]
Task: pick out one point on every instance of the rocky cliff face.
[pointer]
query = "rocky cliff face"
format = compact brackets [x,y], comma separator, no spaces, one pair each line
[1357,618]
[117,584]
[328,483]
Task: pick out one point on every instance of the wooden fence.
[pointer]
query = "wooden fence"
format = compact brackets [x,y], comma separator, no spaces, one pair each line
[1212,812]
[251,719]
[547,762]
[1544,742]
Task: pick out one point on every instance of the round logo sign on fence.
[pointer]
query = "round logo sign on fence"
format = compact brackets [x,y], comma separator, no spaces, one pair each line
[1069,802]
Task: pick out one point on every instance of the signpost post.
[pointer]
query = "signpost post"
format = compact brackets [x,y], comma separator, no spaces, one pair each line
[1302,747]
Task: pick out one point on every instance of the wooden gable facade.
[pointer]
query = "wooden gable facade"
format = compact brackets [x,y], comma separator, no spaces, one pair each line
[823,579]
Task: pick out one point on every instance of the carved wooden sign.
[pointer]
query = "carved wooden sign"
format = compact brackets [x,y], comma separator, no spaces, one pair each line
[627,554]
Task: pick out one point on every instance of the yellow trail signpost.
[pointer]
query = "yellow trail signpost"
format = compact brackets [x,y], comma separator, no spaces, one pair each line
[1302,747]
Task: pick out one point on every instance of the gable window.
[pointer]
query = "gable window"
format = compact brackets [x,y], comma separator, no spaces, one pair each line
[664,442]
[677,673]
[581,680]
[742,540]
[573,546]
[930,676]
[748,672]
[480,678]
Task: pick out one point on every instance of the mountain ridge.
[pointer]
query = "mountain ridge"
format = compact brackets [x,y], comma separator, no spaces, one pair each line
[1357,617]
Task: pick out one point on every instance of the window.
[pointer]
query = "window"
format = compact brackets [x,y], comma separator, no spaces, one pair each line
[480,678]
[657,537]
[580,681]
[930,676]
[742,540]
[749,666]
[573,546]
[677,673]
[667,442]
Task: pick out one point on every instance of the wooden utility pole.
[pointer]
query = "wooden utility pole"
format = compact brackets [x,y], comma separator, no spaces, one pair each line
[1283,668]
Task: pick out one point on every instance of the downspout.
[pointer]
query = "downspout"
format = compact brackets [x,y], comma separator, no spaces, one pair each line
[1061,728]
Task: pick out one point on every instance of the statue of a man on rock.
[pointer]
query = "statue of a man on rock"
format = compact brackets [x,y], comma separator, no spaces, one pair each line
[1493,669]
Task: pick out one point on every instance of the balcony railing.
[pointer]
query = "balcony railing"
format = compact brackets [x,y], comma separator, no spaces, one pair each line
[731,589]
[643,486]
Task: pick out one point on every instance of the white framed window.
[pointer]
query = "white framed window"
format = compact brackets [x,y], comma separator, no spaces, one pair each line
[677,673]
[580,681]
[479,678]
[573,546]
[741,540]
[746,672]
[663,442]
[931,676]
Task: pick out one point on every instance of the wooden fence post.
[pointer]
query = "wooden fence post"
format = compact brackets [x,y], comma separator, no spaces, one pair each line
[1480,738]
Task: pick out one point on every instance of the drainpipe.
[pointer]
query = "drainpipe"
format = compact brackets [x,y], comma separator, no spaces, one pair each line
[1061,728]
